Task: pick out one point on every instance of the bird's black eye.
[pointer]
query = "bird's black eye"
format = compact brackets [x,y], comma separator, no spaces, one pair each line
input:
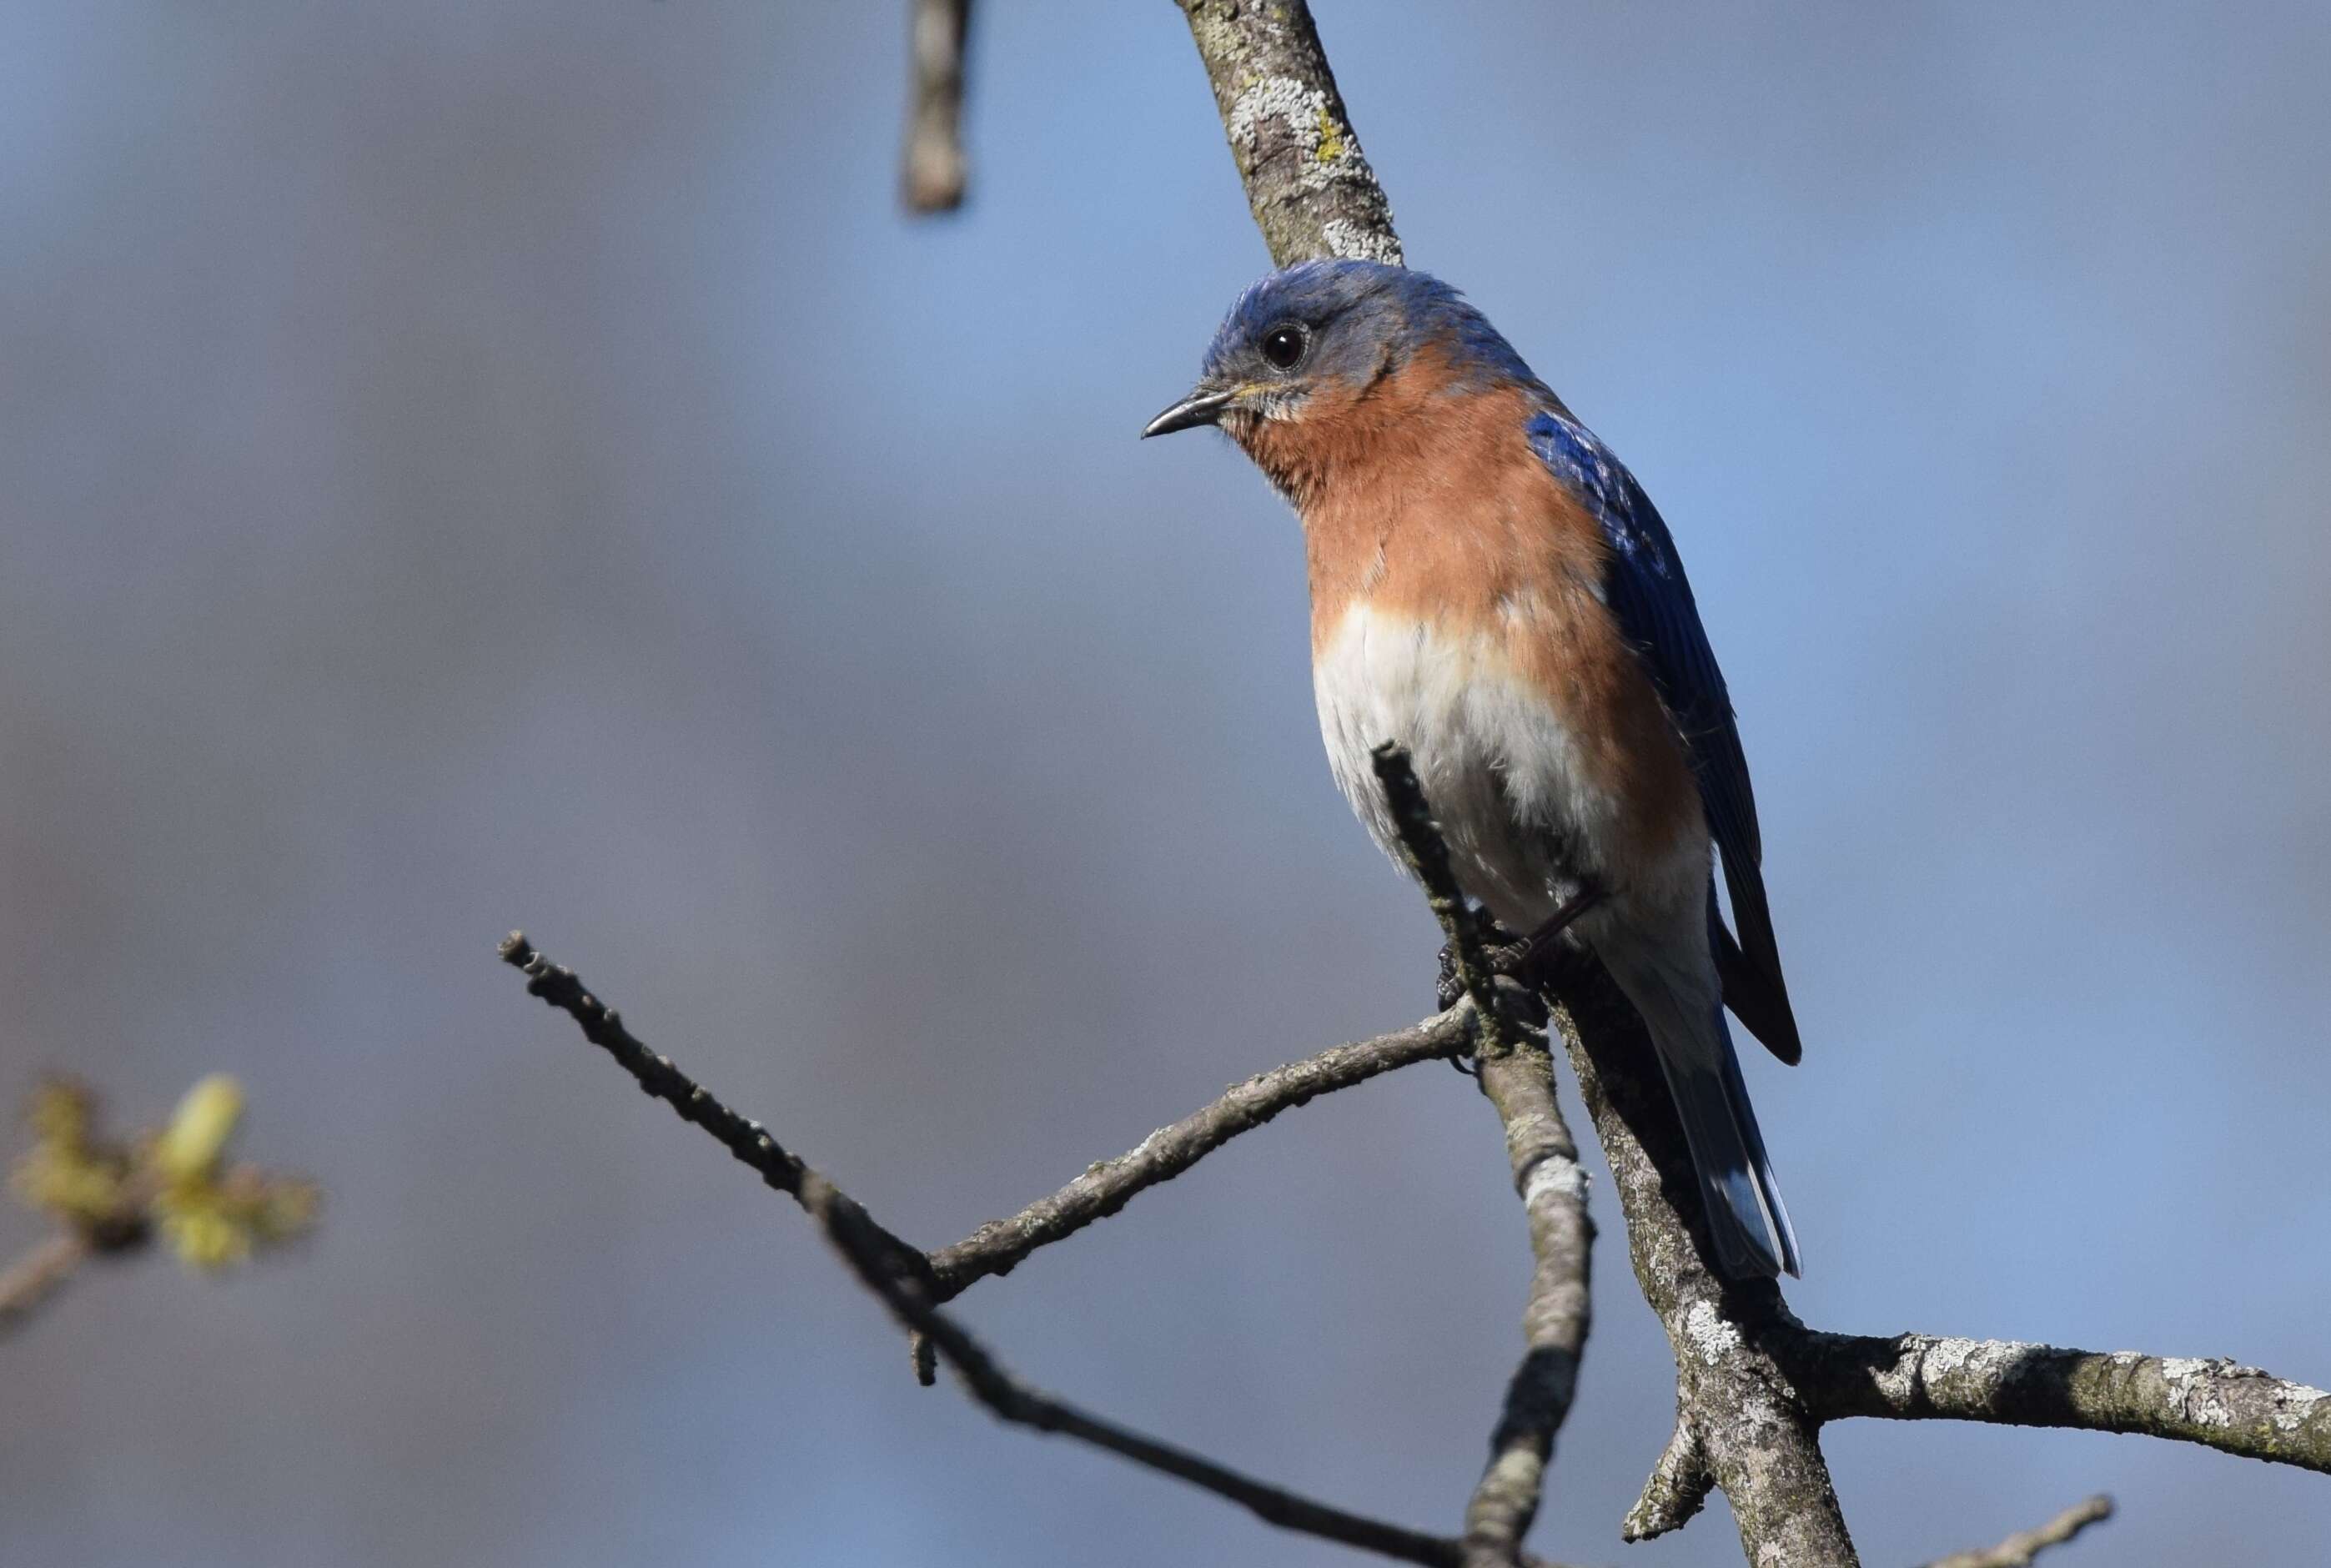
[1284,344]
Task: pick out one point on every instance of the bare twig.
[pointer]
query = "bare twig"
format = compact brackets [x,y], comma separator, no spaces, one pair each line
[1012,1400]
[932,174]
[999,1246]
[37,1275]
[748,1141]
[2019,1549]
[1428,861]
[1518,1075]
[1553,1186]
[910,1291]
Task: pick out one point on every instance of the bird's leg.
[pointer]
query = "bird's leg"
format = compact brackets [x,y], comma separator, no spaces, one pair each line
[1518,958]
[1540,942]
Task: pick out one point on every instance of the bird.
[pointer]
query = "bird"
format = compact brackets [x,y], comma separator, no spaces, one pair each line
[1492,591]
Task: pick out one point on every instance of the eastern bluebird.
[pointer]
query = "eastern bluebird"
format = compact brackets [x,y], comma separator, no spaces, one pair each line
[1493,591]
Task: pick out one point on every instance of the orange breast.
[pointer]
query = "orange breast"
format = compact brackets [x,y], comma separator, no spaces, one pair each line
[1429,505]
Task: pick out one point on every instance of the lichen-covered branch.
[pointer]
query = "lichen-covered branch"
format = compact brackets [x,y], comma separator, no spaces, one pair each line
[1311,189]
[999,1246]
[1679,1487]
[1747,1428]
[934,169]
[2219,1404]
[1544,1157]
[2020,1550]
[39,1274]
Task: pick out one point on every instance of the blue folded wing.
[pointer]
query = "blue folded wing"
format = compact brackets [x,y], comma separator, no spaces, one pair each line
[1645,588]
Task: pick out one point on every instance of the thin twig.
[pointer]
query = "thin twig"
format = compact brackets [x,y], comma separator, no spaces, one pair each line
[2018,1550]
[38,1275]
[1428,861]
[1104,1188]
[1516,1073]
[857,1238]
[748,1141]
[911,1291]
[1553,1187]
[934,169]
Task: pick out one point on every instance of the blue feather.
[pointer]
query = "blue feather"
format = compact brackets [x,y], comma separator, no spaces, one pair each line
[1647,592]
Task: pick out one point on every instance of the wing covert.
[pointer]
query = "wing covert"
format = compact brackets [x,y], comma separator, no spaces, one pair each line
[1646,590]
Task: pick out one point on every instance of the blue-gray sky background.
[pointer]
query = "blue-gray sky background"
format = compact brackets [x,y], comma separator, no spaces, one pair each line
[472,463]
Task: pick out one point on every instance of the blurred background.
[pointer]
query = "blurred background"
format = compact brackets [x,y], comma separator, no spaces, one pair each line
[474,464]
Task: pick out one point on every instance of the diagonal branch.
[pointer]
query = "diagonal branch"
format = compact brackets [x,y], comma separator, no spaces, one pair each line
[999,1246]
[1308,183]
[905,1282]
[38,1275]
[859,1240]
[1742,1424]
[748,1141]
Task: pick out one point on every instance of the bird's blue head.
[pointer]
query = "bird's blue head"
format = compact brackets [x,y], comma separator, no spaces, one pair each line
[1324,334]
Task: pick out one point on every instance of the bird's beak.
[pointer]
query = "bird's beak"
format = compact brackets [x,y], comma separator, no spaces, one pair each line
[1205,405]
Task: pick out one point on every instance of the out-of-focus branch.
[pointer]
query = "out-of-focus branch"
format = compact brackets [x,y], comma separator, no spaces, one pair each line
[933,171]
[2019,1550]
[1516,1073]
[907,1284]
[38,1275]
[1311,189]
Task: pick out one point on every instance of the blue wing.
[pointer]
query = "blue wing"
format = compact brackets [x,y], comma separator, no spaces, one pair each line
[1645,588]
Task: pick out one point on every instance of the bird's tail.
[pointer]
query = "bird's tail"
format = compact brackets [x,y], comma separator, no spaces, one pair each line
[1745,1217]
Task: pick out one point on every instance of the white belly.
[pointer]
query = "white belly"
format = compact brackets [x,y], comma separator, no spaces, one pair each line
[1506,778]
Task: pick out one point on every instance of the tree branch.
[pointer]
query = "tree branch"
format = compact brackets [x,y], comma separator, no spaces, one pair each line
[933,169]
[999,1246]
[748,1141]
[1308,183]
[2217,1403]
[2019,1550]
[1553,1187]
[39,1274]
[1743,1424]
[905,1282]
[1516,1072]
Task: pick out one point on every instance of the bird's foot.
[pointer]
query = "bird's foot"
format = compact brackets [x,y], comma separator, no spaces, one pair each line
[1503,949]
